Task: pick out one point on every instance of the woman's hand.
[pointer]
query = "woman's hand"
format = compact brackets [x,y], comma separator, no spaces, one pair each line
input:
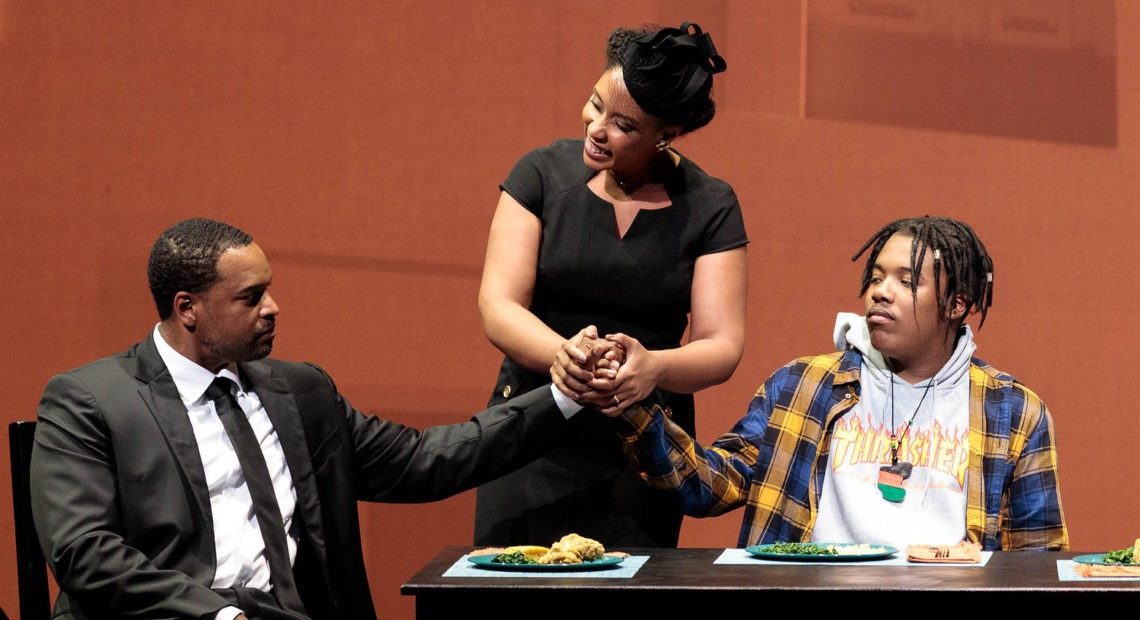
[582,359]
[626,383]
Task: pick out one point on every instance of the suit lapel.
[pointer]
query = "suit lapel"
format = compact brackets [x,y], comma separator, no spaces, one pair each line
[161,396]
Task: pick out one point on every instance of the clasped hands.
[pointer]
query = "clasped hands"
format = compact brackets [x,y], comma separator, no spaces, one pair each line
[608,374]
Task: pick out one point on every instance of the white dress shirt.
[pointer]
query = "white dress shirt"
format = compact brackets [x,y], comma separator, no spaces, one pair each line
[238,543]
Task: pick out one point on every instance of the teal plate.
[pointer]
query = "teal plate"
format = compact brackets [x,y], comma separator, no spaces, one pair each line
[487,561]
[876,552]
[1097,558]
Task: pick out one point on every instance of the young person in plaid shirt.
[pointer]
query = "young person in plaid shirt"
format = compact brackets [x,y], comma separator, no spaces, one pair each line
[900,437]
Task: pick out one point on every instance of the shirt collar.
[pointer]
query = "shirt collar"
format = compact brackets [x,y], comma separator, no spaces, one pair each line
[191,379]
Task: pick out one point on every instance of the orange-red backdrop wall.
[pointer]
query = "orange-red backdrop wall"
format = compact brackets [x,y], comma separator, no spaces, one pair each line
[362,143]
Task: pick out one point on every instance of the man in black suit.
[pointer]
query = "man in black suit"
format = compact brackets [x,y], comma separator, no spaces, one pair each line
[144,499]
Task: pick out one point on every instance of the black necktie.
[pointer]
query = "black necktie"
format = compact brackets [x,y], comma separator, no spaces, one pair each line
[261,490]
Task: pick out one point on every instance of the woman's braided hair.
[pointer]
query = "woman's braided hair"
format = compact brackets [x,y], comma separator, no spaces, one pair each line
[959,256]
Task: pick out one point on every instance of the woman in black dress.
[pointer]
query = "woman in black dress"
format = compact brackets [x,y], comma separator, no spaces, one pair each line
[615,231]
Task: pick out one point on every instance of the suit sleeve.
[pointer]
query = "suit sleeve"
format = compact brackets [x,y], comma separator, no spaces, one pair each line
[75,503]
[393,462]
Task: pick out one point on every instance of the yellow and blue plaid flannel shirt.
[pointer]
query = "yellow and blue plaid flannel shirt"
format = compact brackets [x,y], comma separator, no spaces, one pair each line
[774,459]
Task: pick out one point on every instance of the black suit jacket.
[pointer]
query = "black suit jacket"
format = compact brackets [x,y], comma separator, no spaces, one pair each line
[120,500]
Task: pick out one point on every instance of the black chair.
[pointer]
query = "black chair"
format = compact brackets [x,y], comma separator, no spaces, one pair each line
[31,568]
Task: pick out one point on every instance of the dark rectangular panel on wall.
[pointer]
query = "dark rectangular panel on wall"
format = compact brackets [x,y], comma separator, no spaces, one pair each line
[1029,69]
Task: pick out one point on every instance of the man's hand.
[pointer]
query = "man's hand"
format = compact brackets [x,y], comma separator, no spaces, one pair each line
[582,361]
[574,367]
[607,356]
[624,382]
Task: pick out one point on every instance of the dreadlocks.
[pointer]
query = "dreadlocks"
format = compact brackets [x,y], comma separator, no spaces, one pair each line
[957,251]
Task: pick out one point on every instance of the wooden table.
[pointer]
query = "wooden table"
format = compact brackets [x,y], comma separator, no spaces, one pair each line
[676,579]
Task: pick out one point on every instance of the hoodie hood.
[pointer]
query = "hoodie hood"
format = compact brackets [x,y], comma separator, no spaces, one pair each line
[851,332]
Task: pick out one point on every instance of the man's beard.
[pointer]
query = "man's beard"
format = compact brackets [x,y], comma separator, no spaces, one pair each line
[228,352]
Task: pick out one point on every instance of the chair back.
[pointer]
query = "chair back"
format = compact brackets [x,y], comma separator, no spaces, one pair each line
[31,568]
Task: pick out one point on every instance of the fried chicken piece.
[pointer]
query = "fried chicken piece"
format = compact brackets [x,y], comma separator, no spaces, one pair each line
[560,557]
[573,549]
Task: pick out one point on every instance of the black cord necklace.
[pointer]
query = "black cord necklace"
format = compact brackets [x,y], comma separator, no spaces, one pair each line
[892,477]
[896,439]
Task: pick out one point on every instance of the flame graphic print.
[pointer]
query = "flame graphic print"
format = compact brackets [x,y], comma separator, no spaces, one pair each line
[858,440]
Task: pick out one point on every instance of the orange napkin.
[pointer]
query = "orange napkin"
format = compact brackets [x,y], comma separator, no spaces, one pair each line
[1107,570]
[961,553]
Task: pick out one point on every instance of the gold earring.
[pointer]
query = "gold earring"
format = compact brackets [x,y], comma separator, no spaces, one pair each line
[662,144]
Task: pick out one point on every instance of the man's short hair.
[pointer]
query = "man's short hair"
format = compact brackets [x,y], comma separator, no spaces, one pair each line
[185,258]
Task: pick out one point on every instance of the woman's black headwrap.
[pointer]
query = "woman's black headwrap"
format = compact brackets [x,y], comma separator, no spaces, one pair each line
[669,74]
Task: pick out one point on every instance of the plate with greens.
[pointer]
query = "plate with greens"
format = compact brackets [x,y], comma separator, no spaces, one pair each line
[1120,557]
[495,563]
[821,552]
